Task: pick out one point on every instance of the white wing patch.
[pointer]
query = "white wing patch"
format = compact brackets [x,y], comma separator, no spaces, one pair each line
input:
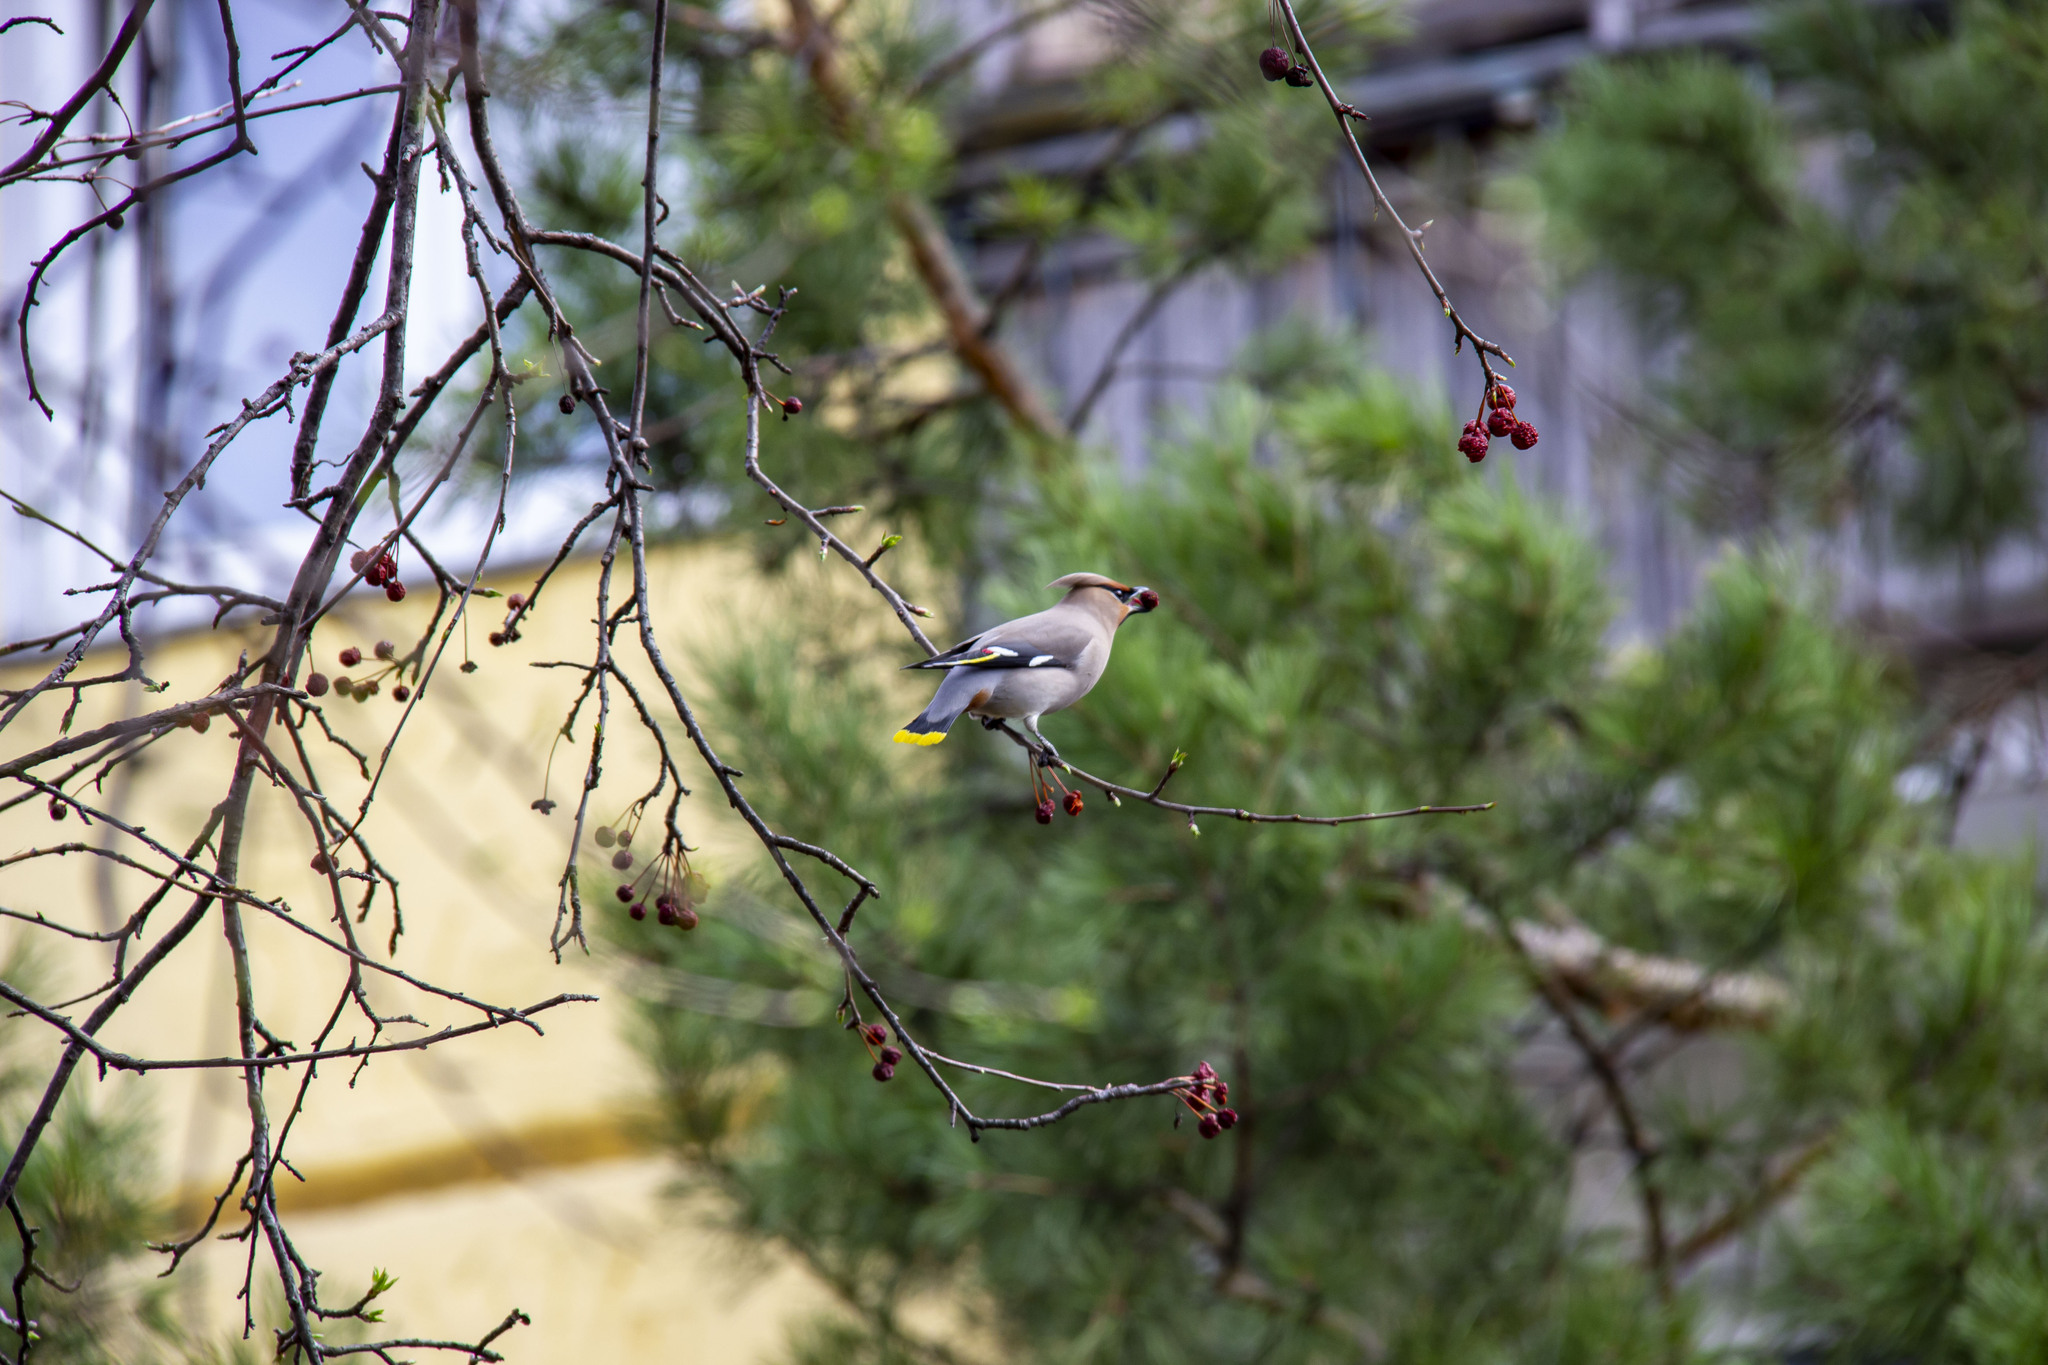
[1006,653]
[1041,659]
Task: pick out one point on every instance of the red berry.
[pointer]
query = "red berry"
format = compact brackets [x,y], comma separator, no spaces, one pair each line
[1205,1072]
[891,1056]
[1227,1117]
[567,404]
[665,913]
[1074,803]
[1300,77]
[1044,811]
[320,863]
[374,575]
[497,637]
[622,860]
[686,918]
[1502,397]
[390,566]
[1500,422]
[401,693]
[1523,436]
[625,893]
[316,684]
[1274,63]
[1222,1092]
[385,650]
[1472,444]
[792,406]
[883,1071]
[875,1034]
[351,656]
[395,590]
[58,810]
[1209,1126]
[515,601]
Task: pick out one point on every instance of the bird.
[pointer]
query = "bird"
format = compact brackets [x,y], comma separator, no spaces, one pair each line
[1022,669]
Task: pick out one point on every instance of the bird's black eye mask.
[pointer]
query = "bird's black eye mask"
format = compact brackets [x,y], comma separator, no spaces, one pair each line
[1137,599]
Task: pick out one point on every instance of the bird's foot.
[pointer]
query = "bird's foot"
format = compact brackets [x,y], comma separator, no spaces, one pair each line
[1049,757]
[990,722]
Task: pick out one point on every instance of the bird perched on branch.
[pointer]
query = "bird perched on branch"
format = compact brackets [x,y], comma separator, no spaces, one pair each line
[1025,668]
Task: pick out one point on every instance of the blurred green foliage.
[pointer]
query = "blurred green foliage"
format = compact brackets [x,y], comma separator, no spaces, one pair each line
[1350,623]
[1841,248]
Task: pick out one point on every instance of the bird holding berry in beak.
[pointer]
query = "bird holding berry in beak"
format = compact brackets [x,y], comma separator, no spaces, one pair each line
[1036,664]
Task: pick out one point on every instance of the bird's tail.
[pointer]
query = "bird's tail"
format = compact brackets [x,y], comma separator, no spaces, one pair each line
[955,695]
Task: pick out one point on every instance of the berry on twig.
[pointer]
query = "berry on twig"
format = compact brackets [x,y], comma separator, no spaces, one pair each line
[1275,63]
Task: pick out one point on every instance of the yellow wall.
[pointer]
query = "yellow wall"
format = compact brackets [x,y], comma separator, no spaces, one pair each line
[495,1171]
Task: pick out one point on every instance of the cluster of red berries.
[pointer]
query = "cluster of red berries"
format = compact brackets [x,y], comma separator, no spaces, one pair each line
[1043,783]
[1278,64]
[1500,420]
[506,634]
[875,1038]
[678,888]
[364,688]
[1209,1099]
[381,572]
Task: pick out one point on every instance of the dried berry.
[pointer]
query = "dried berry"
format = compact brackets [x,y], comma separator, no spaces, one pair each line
[625,893]
[497,638]
[665,913]
[875,1034]
[884,1072]
[201,721]
[1473,442]
[58,810]
[625,838]
[469,665]
[366,688]
[1209,1126]
[622,860]
[1227,1118]
[1275,63]
[401,693]
[320,863]
[1073,803]
[686,918]
[604,836]
[316,684]
[567,404]
[345,685]
[384,649]
[1300,78]
[516,601]
[1523,436]
[1044,811]
[792,406]
[1500,422]
[351,656]
[891,1055]
[639,910]
[1222,1090]
[359,561]
[374,575]
[1502,397]
[395,590]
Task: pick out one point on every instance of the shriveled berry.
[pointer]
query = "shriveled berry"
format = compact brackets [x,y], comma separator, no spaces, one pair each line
[1473,442]
[1300,78]
[792,406]
[1222,1089]
[390,565]
[1205,1072]
[1275,63]
[359,561]
[625,838]
[686,918]
[321,863]
[374,575]
[875,1034]
[469,665]
[201,721]
[1044,811]
[516,601]
[316,684]
[401,693]
[1210,1126]
[1500,422]
[58,810]
[665,913]
[625,893]
[884,1072]
[366,688]
[1502,397]
[622,860]
[567,404]
[395,590]
[1523,436]
[345,685]
[604,836]
[1227,1117]
[497,638]
[351,656]
[384,649]
[1073,803]
[891,1055]
[639,910]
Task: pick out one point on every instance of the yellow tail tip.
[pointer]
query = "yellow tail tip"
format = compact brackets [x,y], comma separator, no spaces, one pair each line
[906,737]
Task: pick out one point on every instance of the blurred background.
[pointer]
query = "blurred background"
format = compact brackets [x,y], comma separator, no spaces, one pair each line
[1721,1037]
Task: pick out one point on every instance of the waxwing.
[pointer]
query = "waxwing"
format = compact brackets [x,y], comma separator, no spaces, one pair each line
[1025,668]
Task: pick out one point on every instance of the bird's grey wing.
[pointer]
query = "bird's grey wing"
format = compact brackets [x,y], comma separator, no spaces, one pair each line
[1047,640]
[948,657]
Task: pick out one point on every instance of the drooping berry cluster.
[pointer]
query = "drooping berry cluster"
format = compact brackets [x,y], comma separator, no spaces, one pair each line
[1497,418]
[1043,783]
[370,684]
[677,888]
[380,572]
[1208,1098]
[515,606]
[875,1039]
[1278,64]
